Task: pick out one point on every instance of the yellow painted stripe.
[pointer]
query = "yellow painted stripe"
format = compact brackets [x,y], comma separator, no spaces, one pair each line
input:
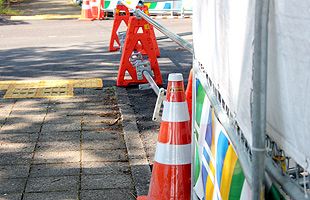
[227,172]
[40,17]
[77,83]
[210,185]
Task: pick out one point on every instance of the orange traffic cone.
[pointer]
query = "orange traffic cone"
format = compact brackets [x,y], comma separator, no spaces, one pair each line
[86,11]
[97,9]
[189,92]
[171,175]
[94,8]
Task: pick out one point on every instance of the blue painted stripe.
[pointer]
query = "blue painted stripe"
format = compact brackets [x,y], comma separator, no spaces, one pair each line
[167,6]
[222,146]
[204,174]
[206,155]
[208,136]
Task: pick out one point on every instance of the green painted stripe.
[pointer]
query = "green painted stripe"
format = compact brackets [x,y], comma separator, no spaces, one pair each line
[200,96]
[106,4]
[153,5]
[197,163]
[236,183]
[274,194]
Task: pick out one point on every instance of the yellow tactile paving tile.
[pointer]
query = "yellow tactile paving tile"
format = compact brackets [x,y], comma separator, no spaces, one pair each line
[46,88]
[48,92]
[88,83]
[77,83]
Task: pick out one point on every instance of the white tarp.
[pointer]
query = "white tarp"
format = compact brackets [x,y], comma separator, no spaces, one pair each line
[223,35]
[288,99]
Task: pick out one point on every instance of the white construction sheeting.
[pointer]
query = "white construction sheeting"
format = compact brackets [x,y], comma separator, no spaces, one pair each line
[223,35]
[288,99]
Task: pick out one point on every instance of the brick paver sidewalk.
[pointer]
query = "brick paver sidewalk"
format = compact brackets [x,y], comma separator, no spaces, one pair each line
[64,148]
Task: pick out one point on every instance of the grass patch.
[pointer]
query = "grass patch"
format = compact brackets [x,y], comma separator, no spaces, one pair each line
[6,10]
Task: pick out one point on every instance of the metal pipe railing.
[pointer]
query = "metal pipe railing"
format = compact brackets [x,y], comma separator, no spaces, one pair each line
[174,37]
[151,81]
[288,186]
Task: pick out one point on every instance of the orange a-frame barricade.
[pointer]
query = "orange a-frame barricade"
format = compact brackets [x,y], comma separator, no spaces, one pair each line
[145,9]
[121,14]
[134,38]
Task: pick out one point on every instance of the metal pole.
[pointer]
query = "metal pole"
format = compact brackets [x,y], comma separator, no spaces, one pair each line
[151,81]
[180,41]
[258,98]
[193,153]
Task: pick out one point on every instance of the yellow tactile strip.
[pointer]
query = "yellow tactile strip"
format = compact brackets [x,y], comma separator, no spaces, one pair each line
[46,88]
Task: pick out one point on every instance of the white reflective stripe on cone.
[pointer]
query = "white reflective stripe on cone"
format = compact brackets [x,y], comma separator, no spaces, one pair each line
[170,154]
[85,7]
[175,112]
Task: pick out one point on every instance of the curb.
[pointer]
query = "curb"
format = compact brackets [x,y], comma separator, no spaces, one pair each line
[46,17]
[140,170]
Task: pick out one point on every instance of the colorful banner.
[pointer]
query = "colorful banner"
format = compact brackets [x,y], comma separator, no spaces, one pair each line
[217,170]
[218,174]
[154,7]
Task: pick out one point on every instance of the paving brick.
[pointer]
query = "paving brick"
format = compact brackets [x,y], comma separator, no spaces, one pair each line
[67,112]
[6,106]
[4,114]
[58,146]
[64,195]
[63,169]
[63,120]
[54,118]
[73,136]
[15,185]
[103,144]
[105,115]
[14,171]
[11,147]
[50,184]
[15,158]
[14,119]
[29,112]
[108,194]
[68,105]
[32,103]
[19,137]
[56,157]
[91,91]
[75,126]
[104,155]
[21,127]
[101,127]
[106,181]
[92,168]
[107,121]
[101,135]
[12,196]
